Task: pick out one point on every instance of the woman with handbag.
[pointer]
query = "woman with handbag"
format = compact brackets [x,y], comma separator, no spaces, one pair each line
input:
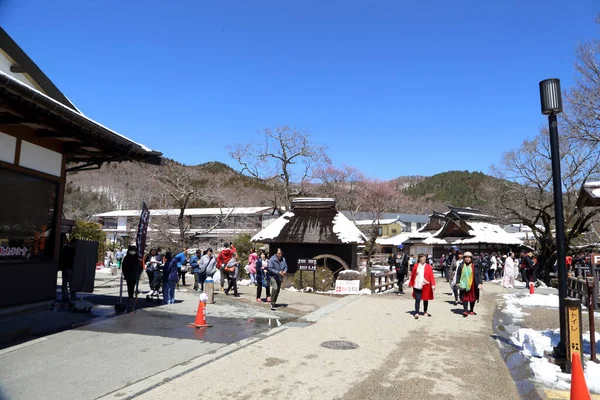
[262,278]
[232,269]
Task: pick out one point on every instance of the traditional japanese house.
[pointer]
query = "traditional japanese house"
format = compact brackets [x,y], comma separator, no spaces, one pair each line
[42,137]
[314,228]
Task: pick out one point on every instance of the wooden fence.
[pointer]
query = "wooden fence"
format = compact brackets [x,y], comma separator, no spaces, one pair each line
[383,280]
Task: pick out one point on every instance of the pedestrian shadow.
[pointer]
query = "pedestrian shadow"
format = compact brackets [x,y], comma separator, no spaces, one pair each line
[458,311]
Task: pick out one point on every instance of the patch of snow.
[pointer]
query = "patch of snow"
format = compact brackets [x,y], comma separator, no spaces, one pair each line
[292,289]
[533,344]
[346,231]
[274,229]
[365,291]
[592,376]
[244,282]
[515,302]
[547,373]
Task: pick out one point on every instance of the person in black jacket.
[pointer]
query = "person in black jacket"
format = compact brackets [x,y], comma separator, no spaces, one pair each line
[401,265]
[65,265]
[527,269]
[131,270]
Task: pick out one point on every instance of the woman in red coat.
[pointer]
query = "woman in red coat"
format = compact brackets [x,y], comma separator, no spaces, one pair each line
[423,284]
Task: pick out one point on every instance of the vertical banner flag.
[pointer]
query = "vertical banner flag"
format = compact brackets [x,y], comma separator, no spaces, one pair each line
[140,240]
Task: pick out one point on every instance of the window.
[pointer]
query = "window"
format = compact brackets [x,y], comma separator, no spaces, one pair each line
[27,211]
[394,231]
[420,225]
[379,231]
[110,224]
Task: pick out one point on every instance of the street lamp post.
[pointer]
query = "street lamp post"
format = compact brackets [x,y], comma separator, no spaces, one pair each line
[552,106]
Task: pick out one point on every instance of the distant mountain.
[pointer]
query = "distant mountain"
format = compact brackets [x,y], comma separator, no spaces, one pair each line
[457,188]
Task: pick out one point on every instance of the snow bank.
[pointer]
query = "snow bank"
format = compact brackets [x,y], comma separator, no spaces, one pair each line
[533,344]
[292,289]
[244,282]
[515,302]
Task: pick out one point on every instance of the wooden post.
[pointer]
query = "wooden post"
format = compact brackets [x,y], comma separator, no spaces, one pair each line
[301,286]
[372,283]
[574,330]
[591,286]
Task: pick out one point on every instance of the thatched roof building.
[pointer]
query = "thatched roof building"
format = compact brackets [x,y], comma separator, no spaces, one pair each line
[313,228]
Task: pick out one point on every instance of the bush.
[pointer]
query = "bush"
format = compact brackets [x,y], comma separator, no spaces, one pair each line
[93,232]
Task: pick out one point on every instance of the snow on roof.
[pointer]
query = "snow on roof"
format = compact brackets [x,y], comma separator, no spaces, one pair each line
[485,232]
[274,229]
[313,199]
[77,112]
[346,231]
[394,240]
[592,184]
[434,240]
[363,222]
[189,211]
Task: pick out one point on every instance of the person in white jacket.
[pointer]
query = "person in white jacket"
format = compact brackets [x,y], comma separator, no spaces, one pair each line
[510,271]
[493,267]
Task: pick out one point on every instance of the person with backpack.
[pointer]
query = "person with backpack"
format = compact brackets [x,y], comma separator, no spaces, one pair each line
[196,269]
[401,265]
[391,261]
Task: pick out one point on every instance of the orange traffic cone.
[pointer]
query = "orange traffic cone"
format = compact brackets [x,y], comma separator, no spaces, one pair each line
[200,317]
[579,390]
[531,288]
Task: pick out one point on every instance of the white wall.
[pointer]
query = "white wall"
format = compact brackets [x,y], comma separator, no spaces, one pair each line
[40,159]
[5,65]
[8,145]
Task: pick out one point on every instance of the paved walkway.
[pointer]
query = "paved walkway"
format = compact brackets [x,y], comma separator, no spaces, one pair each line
[443,357]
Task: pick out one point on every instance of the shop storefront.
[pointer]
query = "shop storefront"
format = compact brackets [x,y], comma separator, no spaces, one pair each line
[42,137]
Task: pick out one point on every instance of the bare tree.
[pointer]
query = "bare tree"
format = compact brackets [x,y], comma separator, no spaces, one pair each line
[582,106]
[344,184]
[377,197]
[284,160]
[523,193]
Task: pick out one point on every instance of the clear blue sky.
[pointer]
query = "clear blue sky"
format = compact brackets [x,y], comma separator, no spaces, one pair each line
[391,87]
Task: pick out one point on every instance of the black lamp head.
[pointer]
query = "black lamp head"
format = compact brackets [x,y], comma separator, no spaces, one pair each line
[550,96]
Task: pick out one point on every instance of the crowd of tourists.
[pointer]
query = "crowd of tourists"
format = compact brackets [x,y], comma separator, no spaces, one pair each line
[466,273]
[167,272]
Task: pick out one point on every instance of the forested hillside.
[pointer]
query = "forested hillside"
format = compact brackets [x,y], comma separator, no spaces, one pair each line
[457,188]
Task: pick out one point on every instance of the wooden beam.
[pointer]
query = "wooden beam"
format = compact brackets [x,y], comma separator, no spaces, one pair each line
[17,69]
[10,119]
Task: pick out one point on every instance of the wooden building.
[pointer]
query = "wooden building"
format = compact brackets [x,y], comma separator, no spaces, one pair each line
[314,228]
[42,137]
